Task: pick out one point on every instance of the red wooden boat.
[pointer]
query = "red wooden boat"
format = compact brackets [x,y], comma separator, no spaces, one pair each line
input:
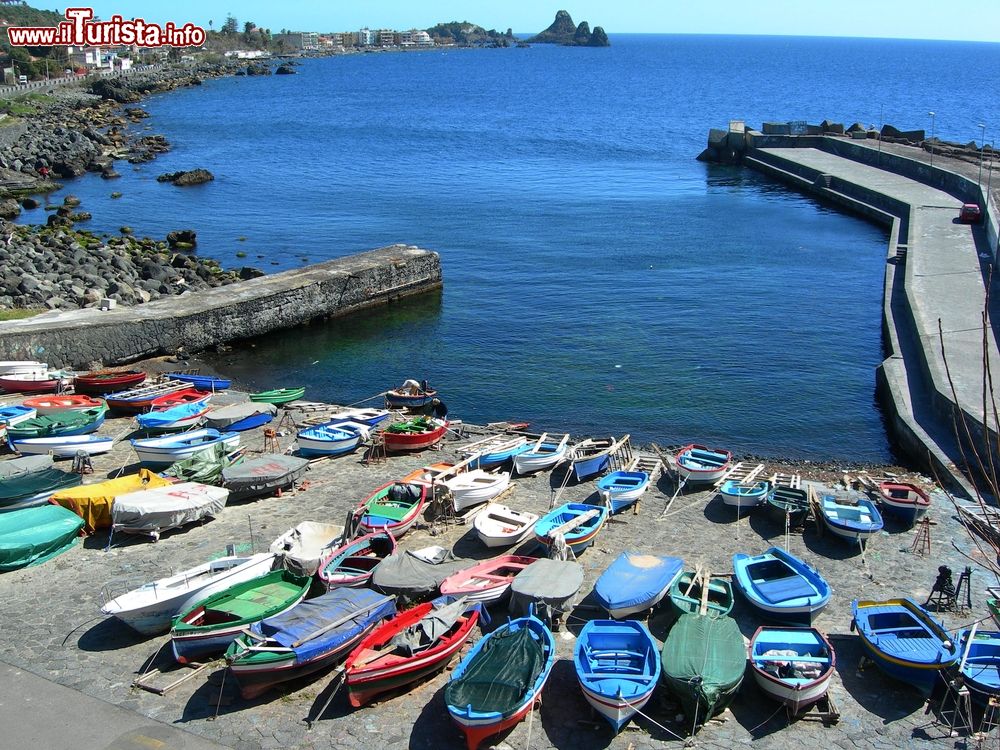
[107,381]
[904,500]
[488,581]
[47,383]
[351,565]
[139,399]
[178,398]
[414,434]
[49,404]
[376,666]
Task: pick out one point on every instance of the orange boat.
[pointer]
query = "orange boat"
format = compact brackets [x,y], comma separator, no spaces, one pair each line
[49,404]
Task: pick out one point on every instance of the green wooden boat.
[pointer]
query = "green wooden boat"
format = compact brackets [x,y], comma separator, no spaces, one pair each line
[279,395]
[704,659]
[59,424]
[685,596]
[211,625]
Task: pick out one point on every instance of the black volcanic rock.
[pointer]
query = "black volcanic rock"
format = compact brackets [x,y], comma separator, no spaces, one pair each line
[599,38]
[582,35]
[564,31]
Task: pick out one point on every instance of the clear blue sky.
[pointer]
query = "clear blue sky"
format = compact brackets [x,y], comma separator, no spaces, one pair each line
[977,20]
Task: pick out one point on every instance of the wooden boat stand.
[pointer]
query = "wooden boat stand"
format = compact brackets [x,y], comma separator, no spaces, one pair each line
[922,540]
[375,452]
[743,474]
[82,463]
[144,681]
[946,597]
[824,710]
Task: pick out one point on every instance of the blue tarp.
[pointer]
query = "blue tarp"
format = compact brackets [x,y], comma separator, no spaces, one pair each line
[165,418]
[636,578]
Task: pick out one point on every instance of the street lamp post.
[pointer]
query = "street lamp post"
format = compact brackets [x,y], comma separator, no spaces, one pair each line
[881,121]
[932,137]
[989,176]
[982,138]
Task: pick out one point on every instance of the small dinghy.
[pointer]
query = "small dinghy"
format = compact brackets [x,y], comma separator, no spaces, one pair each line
[408,648]
[620,489]
[788,505]
[853,523]
[475,487]
[780,586]
[499,526]
[488,581]
[13,414]
[617,665]
[414,434]
[735,494]
[266,474]
[26,489]
[23,367]
[591,457]
[163,451]
[241,417]
[980,664]
[692,594]
[540,455]
[548,587]
[301,549]
[209,626]
[64,447]
[331,439]
[30,536]
[699,465]
[201,382]
[100,382]
[150,608]
[50,404]
[279,396]
[578,523]
[310,637]
[480,701]
[393,507]
[160,509]
[93,502]
[134,400]
[175,418]
[410,395]
[367,417]
[904,640]
[904,500]
[59,424]
[37,382]
[792,665]
[494,451]
[635,582]
[21,466]
[351,564]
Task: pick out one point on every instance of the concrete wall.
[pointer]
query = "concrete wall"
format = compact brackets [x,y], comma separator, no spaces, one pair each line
[197,320]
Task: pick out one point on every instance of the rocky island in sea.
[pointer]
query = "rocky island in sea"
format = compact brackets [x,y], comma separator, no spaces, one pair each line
[564,31]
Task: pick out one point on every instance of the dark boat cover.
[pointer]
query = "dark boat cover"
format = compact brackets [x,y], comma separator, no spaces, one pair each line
[21,486]
[263,475]
[548,584]
[224,418]
[500,675]
[406,574]
[24,465]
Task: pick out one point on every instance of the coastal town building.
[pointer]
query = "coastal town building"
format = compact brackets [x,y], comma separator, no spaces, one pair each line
[100,58]
[299,40]
[386,38]
[366,38]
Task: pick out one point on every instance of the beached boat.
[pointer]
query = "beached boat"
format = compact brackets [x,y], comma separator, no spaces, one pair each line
[331,439]
[30,536]
[408,648]
[617,665]
[100,382]
[25,489]
[201,382]
[410,395]
[475,487]
[205,466]
[542,454]
[735,494]
[310,637]
[14,414]
[853,523]
[635,582]
[266,474]
[153,511]
[415,575]
[59,424]
[904,500]
[904,640]
[179,398]
[980,663]
[302,548]
[23,367]
[350,565]
[163,451]
[393,507]
[279,396]
[149,608]
[500,526]
[367,417]
[414,434]
[781,586]
[16,467]
[547,587]
[792,665]
[93,502]
[523,651]
[175,418]
[209,626]
[688,595]
[578,523]
[698,464]
[494,451]
[138,399]
[488,581]
[430,475]
[788,505]
[64,447]
[703,660]
[620,489]
[241,417]
[71,402]
[591,457]
[39,382]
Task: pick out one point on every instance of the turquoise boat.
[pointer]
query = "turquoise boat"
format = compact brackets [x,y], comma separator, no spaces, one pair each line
[579,523]
[31,536]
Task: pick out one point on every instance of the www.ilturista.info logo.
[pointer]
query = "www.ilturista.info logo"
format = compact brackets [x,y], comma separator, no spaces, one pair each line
[80,30]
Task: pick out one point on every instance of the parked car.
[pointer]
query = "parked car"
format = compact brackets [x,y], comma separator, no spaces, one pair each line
[970,214]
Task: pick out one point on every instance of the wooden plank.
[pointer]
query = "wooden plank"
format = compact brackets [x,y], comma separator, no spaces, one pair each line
[574,522]
[142,681]
[751,477]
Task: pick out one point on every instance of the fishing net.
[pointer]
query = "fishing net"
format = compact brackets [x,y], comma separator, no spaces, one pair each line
[500,676]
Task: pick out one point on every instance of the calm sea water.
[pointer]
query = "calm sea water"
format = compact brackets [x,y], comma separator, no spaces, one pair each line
[598,279]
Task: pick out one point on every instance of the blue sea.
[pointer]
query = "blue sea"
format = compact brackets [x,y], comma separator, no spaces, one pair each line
[598,279]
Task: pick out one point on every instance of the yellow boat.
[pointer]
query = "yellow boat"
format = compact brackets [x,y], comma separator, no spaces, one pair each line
[92,502]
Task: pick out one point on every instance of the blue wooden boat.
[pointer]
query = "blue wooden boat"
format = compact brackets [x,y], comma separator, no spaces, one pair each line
[16,413]
[781,586]
[700,464]
[493,459]
[201,382]
[980,665]
[788,505]
[853,523]
[579,523]
[167,450]
[636,581]
[744,496]
[175,418]
[591,457]
[541,455]
[241,417]
[792,665]
[522,652]
[904,640]
[410,395]
[617,665]
[331,439]
[620,489]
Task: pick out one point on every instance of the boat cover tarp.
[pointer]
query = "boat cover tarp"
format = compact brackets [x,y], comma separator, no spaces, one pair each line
[405,573]
[500,675]
[167,507]
[55,424]
[24,465]
[302,548]
[709,648]
[635,578]
[205,466]
[33,535]
[49,480]
[310,616]
[426,632]
[222,418]
[92,502]
[263,474]
[548,584]
[158,420]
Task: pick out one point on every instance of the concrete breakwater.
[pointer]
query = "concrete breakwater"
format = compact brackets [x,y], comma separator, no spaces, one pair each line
[196,320]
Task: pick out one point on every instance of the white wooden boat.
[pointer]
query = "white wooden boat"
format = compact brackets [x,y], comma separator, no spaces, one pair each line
[301,549]
[149,608]
[22,367]
[475,487]
[64,447]
[173,448]
[500,526]
[153,511]
[543,454]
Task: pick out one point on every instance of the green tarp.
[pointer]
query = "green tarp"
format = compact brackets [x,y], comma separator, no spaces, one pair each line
[500,675]
[55,424]
[204,467]
[21,486]
[33,535]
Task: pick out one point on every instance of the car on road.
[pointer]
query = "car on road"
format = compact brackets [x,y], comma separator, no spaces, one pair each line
[970,214]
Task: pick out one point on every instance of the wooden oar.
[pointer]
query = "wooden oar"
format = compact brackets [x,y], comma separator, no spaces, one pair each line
[705,578]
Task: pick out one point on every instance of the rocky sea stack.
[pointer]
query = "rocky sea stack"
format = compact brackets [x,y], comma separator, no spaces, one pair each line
[564,31]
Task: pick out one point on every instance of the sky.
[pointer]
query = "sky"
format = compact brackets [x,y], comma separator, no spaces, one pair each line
[970,20]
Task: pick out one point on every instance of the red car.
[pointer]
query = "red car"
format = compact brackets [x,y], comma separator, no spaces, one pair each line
[970,214]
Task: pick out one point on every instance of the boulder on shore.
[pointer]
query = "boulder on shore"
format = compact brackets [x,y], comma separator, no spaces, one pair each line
[190,177]
[284,70]
[184,238]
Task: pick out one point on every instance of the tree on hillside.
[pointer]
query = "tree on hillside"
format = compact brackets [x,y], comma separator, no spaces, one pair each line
[231,25]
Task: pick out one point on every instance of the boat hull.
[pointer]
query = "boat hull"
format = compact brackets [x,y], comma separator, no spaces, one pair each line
[781,587]
[498,526]
[697,464]
[64,447]
[530,462]
[797,693]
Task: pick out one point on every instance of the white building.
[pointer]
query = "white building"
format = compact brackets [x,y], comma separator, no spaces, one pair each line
[366,38]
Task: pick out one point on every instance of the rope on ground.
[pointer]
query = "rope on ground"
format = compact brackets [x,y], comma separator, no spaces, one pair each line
[651,719]
[531,718]
[218,703]
[779,708]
